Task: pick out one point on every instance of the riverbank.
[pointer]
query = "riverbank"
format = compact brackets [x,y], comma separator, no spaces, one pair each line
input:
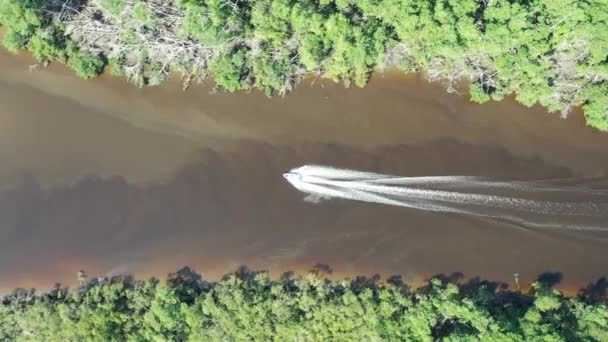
[249,305]
[535,51]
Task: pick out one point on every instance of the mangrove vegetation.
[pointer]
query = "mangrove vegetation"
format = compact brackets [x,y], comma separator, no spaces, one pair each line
[548,52]
[250,306]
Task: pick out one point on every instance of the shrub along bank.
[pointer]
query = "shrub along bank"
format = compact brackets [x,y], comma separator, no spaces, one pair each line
[249,306]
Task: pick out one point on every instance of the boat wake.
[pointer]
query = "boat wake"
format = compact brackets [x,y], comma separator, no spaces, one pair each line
[538,204]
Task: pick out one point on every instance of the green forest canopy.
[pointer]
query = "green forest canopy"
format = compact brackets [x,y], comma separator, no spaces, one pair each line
[548,52]
[249,306]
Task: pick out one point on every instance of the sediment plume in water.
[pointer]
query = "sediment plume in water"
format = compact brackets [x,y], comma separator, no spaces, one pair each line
[532,204]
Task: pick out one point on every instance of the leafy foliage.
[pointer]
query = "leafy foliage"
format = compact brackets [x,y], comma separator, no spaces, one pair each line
[548,52]
[114,6]
[247,306]
[30,25]
[26,26]
[86,65]
[229,70]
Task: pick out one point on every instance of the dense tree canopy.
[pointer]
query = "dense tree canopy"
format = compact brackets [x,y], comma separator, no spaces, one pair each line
[249,306]
[548,52]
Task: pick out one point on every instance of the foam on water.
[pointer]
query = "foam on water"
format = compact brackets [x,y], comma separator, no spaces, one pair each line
[447,194]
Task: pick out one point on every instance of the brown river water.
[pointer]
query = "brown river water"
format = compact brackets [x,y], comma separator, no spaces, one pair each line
[103,176]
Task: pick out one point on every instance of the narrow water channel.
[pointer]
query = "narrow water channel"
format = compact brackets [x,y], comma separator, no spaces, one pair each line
[103,176]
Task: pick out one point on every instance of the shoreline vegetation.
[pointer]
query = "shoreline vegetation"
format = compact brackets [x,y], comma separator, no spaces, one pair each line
[249,306]
[548,52]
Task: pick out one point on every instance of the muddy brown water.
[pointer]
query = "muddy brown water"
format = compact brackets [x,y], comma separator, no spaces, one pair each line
[103,176]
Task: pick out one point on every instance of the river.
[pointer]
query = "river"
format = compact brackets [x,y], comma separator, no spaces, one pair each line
[103,176]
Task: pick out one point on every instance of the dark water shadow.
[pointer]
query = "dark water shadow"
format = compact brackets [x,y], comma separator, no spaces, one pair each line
[550,278]
[596,292]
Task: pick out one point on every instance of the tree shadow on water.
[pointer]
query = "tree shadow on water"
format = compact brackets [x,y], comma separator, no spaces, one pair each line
[550,279]
[473,286]
[453,277]
[360,283]
[595,292]
[244,273]
[397,280]
[496,293]
[184,275]
[321,269]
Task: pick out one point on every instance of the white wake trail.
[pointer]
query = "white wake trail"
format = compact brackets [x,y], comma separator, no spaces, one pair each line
[335,173]
[552,208]
[457,194]
[332,173]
